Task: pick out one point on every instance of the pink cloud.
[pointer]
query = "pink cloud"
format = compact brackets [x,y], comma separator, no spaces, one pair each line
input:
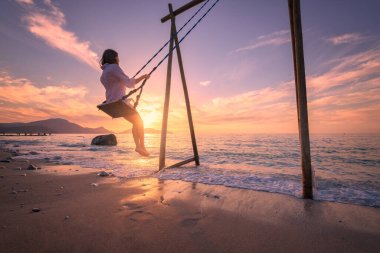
[273,39]
[347,38]
[205,83]
[348,70]
[25,1]
[48,24]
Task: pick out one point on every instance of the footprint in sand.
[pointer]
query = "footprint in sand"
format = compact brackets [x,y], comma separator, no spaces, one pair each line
[211,196]
[189,222]
[132,206]
[163,201]
[137,212]
[139,215]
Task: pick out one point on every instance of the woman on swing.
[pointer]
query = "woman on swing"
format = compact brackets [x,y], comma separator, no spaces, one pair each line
[115,81]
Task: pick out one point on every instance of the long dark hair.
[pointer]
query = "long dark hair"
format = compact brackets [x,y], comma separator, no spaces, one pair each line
[109,56]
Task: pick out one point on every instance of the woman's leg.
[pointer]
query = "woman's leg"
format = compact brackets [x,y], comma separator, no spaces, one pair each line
[135,134]
[138,133]
[141,137]
[140,127]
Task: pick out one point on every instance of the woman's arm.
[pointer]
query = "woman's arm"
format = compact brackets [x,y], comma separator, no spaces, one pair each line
[139,79]
[129,82]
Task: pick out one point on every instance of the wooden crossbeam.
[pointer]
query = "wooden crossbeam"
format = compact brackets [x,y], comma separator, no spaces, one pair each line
[182,9]
[181,163]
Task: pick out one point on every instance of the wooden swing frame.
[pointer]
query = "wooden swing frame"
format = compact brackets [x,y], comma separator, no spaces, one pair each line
[174,39]
[300,82]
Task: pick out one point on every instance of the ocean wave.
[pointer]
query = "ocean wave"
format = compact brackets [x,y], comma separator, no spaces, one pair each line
[72,145]
[346,167]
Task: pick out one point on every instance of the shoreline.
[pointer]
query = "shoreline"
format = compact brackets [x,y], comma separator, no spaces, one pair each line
[257,164]
[80,211]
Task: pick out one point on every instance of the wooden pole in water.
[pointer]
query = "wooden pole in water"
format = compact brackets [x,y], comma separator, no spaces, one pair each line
[185,91]
[303,125]
[167,99]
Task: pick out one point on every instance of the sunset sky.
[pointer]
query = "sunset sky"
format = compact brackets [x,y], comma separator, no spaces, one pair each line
[238,63]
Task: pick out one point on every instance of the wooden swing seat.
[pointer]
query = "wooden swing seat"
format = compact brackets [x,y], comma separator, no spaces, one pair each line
[117,109]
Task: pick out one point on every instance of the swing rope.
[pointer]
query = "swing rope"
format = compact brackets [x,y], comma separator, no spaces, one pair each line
[159,51]
[167,55]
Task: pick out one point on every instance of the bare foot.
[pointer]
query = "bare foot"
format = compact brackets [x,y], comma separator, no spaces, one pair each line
[142,151]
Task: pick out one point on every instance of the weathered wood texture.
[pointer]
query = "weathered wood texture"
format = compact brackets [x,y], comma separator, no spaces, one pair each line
[303,125]
[181,9]
[181,163]
[187,99]
[166,104]
[174,38]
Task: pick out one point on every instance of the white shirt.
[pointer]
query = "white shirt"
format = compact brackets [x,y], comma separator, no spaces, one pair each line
[115,81]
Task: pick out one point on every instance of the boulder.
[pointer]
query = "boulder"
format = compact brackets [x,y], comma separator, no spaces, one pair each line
[32,167]
[103,174]
[105,140]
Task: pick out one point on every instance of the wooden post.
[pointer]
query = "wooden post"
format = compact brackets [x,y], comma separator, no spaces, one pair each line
[167,99]
[184,85]
[303,125]
[290,4]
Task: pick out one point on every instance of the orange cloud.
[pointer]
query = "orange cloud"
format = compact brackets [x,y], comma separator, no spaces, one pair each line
[343,99]
[263,110]
[48,24]
[21,99]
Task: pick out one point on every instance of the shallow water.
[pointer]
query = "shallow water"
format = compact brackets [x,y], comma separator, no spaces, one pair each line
[346,167]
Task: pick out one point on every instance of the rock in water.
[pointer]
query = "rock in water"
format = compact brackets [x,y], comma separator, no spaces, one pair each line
[103,174]
[105,140]
[32,167]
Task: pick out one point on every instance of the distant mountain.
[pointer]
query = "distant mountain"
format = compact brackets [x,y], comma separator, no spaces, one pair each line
[146,130]
[49,126]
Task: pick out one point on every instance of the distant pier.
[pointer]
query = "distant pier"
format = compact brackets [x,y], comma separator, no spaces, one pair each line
[25,134]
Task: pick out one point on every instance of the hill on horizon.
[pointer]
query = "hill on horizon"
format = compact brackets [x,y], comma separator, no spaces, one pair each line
[55,125]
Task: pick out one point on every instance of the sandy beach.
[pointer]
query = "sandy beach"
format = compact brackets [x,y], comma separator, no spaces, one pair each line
[79,211]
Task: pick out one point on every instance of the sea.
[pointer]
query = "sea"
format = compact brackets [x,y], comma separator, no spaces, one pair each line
[346,167]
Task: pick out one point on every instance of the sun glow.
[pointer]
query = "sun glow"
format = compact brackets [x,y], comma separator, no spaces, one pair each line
[152,119]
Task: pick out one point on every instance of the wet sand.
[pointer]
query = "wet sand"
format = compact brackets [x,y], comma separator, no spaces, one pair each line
[82,212]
